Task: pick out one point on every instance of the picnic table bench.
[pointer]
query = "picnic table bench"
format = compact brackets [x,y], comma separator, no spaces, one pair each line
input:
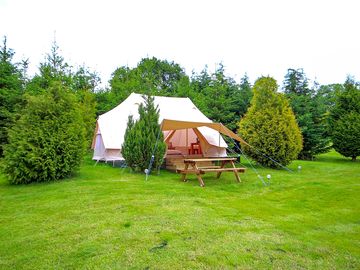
[195,169]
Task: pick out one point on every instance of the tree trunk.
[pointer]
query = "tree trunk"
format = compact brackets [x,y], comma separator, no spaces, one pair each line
[353,158]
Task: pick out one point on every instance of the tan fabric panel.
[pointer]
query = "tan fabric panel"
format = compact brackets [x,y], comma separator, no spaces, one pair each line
[174,125]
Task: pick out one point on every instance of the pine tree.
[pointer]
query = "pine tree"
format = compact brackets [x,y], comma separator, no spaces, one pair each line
[144,138]
[345,121]
[270,126]
[54,68]
[82,82]
[11,89]
[310,114]
[244,95]
[219,97]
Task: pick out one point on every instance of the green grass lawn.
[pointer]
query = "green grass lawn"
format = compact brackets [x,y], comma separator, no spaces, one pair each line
[108,218]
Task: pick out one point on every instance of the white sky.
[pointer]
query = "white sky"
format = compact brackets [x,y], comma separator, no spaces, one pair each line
[259,37]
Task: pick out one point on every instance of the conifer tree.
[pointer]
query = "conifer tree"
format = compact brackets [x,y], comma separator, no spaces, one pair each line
[47,141]
[142,136]
[345,121]
[11,88]
[309,112]
[270,126]
[129,148]
[54,68]
[244,95]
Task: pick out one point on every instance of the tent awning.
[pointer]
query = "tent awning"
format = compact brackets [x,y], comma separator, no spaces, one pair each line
[176,125]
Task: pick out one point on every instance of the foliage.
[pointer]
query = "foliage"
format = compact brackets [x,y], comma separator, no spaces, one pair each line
[82,82]
[85,80]
[151,76]
[310,114]
[220,98]
[296,82]
[215,102]
[244,96]
[11,88]
[345,120]
[54,68]
[87,106]
[47,141]
[327,95]
[270,127]
[144,138]
[129,149]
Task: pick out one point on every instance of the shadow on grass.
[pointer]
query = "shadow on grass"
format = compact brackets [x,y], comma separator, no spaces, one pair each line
[336,159]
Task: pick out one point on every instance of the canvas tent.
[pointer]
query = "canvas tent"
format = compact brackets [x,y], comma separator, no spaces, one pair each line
[181,121]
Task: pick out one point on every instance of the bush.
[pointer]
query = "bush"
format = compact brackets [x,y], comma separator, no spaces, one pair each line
[47,141]
[270,126]
[142,136]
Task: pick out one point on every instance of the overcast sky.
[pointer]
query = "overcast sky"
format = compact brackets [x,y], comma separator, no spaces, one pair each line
[259,37]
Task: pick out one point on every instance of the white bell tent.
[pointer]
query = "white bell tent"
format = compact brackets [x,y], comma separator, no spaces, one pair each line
[182,123]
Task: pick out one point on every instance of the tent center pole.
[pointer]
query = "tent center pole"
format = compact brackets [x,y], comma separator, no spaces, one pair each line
[219,139]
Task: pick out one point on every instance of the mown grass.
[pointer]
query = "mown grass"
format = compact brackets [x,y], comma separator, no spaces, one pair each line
[109,218]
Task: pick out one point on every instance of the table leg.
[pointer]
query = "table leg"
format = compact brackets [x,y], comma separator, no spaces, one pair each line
[222,166]
[183,177]
[201,182]
[236,172]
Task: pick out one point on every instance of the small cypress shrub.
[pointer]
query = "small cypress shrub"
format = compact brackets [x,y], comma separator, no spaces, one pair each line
[129,148]
[142,136]
[47,141]
[270,126]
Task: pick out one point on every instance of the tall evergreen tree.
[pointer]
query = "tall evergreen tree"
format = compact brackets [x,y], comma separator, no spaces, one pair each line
[219,97]
[270,127]
[327,95]
[142,137]
[11,89]
[310,113]
[54,68]
[244,95]
[82,82]
[345,120]
[296,82]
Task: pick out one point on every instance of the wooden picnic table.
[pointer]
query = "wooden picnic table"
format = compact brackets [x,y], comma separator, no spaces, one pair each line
[195,169]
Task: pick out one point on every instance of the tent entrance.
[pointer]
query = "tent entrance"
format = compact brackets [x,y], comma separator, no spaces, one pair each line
[182,141]
[189,142]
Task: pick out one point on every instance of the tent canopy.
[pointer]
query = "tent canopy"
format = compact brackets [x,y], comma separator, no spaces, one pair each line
[168,124]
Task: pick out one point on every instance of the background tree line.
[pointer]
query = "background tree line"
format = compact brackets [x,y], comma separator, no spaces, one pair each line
[328,115]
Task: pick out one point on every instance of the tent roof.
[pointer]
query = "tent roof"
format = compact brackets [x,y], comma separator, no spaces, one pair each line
[168,124]
[112,124]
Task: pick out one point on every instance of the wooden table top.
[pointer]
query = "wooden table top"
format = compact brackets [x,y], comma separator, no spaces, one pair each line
[209,159]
